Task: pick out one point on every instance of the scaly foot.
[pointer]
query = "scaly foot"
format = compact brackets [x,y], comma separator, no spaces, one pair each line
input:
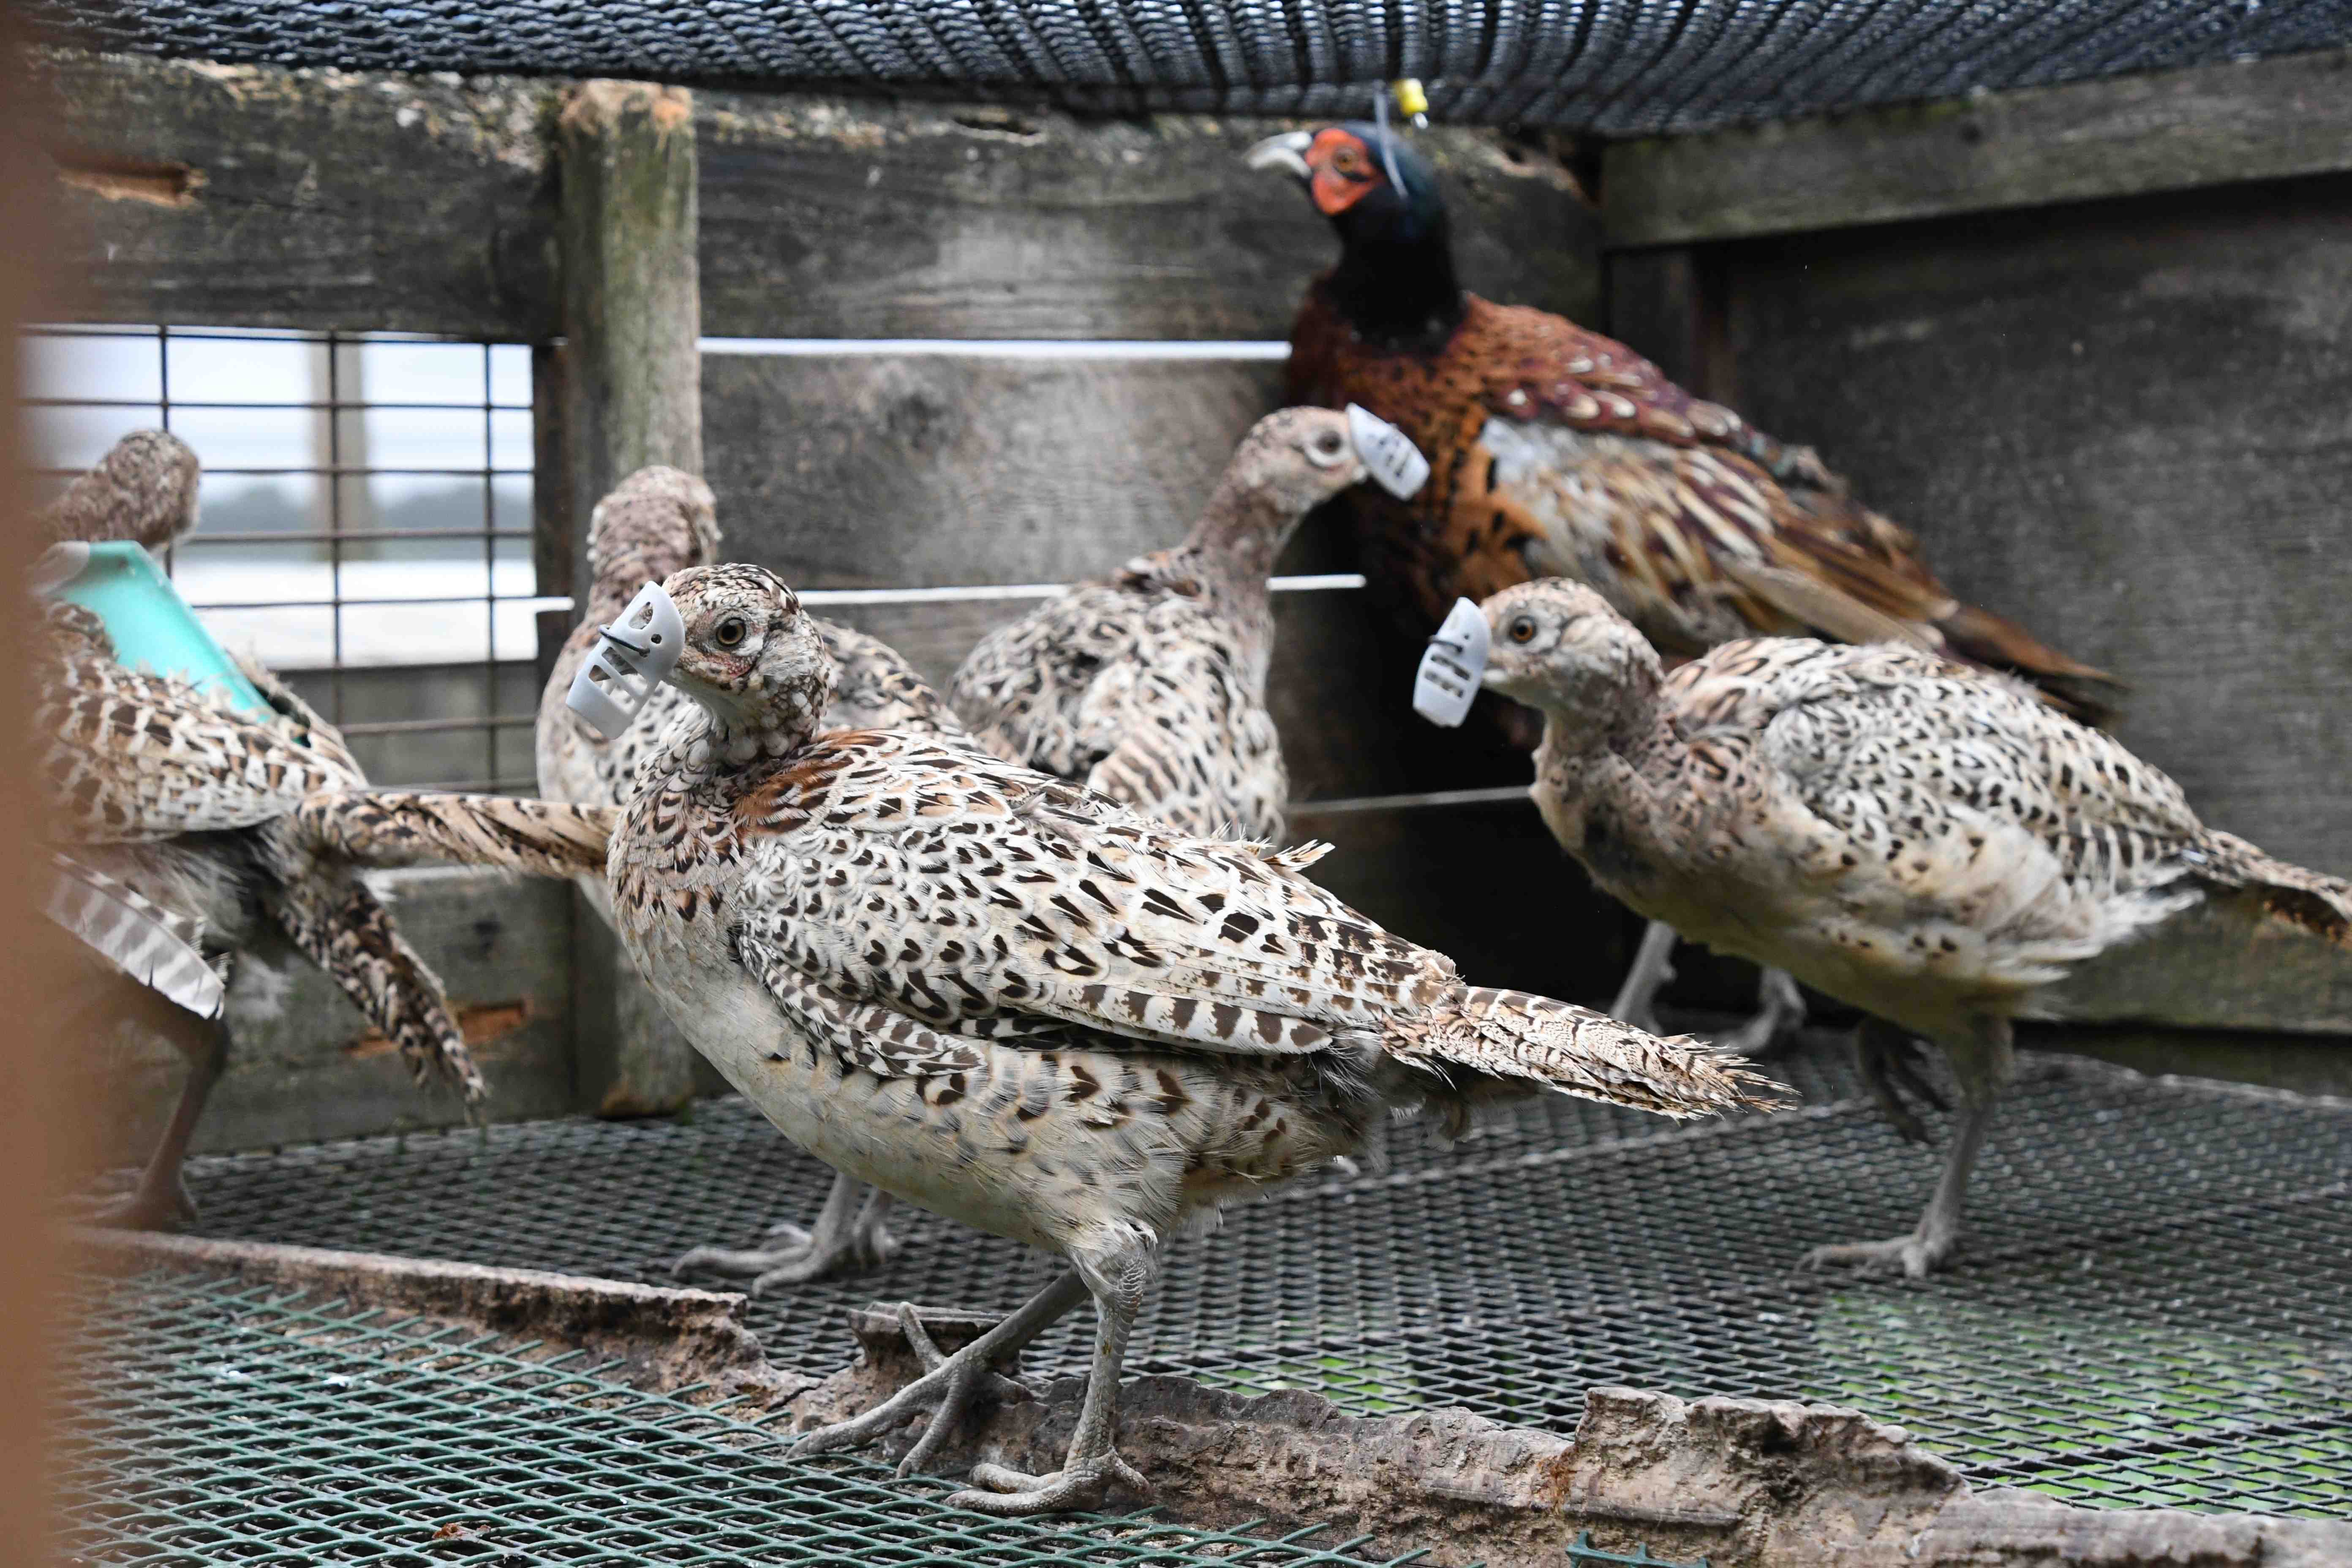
[1779,1019]
[1007,1492]
[790,1255]
[1915,1255]
[954,1381]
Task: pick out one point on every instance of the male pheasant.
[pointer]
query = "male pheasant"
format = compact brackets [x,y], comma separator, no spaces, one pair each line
[1150,687]
[1556,451]
[657,521]
[1928,841]
[1023,1006]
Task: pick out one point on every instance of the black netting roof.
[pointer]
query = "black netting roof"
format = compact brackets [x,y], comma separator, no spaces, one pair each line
[1618,66]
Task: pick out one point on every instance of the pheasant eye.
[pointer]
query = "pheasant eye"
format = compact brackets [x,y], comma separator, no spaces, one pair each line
[1326,449]
[1521,629]
[732,632]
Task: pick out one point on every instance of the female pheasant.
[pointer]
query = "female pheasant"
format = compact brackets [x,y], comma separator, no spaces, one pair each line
[1556,451]
[660,521]
[1925,840]
[1150,687]
[204,822]
[1022,1005]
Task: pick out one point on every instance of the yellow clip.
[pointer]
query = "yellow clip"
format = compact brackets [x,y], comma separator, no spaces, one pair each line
[1411,101]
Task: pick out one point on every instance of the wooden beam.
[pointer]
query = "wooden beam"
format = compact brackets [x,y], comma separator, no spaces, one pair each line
[844,217]
[633,396]
[249,195]
[2123,136]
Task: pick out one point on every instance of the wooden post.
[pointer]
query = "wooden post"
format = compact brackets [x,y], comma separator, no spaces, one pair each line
[632,395]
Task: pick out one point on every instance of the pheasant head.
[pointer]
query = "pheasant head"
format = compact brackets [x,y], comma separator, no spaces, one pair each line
[1559,647]
[735,639]
[1395,276]
[657,521]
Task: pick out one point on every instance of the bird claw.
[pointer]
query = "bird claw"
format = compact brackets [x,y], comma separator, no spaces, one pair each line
[791,1255]
[1914,1255]
[954,1380]
[1005,1493]
[143,1207]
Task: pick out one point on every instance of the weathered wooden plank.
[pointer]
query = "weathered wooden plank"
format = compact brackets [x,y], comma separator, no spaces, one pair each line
[1341,693]
[831,217]
[2122,136]
[302,1064]
[898,470]
[2124,427]
[253,195]
[248,196]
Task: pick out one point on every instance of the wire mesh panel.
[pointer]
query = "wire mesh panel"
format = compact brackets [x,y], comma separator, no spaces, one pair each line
[366,521]
[2152,1307]
[1618,66]
[212,1424]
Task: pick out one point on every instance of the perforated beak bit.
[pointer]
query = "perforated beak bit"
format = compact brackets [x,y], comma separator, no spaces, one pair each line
[1391,459]
[1285,151]
[633,655]
[1452,667]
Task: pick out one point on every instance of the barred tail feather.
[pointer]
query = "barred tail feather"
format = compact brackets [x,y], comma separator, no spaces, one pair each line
[1534,1040]
[379,828]
[2312,899]
[147,943]
[346,931]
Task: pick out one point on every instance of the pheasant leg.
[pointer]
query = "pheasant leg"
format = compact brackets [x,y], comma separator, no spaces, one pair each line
[1893,1067]
[1092,1465]
[161,1200]
[954,1381]
[1653,967]
[850,1238]
[1984,1065]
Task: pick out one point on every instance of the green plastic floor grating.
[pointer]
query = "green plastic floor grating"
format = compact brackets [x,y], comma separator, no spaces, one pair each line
[2153,1306]
[218,1424]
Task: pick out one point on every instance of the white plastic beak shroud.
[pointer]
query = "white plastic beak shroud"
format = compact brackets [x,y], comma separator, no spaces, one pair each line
[633,655]
[1395,464]
[1450,670]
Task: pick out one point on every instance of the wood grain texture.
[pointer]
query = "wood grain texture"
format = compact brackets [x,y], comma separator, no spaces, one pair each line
[904,470]
[2123,136]
[248,196]
[2126,426]
[258,196]
[842,217]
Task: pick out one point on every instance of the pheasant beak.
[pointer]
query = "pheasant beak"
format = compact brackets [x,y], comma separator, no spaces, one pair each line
[633,655]
[1287,152]
[1454,667]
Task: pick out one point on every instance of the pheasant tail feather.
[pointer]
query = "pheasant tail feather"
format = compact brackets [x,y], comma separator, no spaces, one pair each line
[527,837]
[1533,1039]
[151,945]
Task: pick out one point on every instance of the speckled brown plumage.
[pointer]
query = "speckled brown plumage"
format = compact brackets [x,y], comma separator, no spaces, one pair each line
[1925,840]
[657,521]
[1024,1007]
[143,490]
[1150,687]
[226,821]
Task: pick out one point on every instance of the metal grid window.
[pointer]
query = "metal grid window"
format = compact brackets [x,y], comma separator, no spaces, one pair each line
[366,521]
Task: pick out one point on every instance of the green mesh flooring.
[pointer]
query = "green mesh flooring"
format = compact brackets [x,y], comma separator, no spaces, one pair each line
[216,1424]
[2153,1308]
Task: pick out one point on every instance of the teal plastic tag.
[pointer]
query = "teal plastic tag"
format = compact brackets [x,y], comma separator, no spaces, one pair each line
[153,628]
